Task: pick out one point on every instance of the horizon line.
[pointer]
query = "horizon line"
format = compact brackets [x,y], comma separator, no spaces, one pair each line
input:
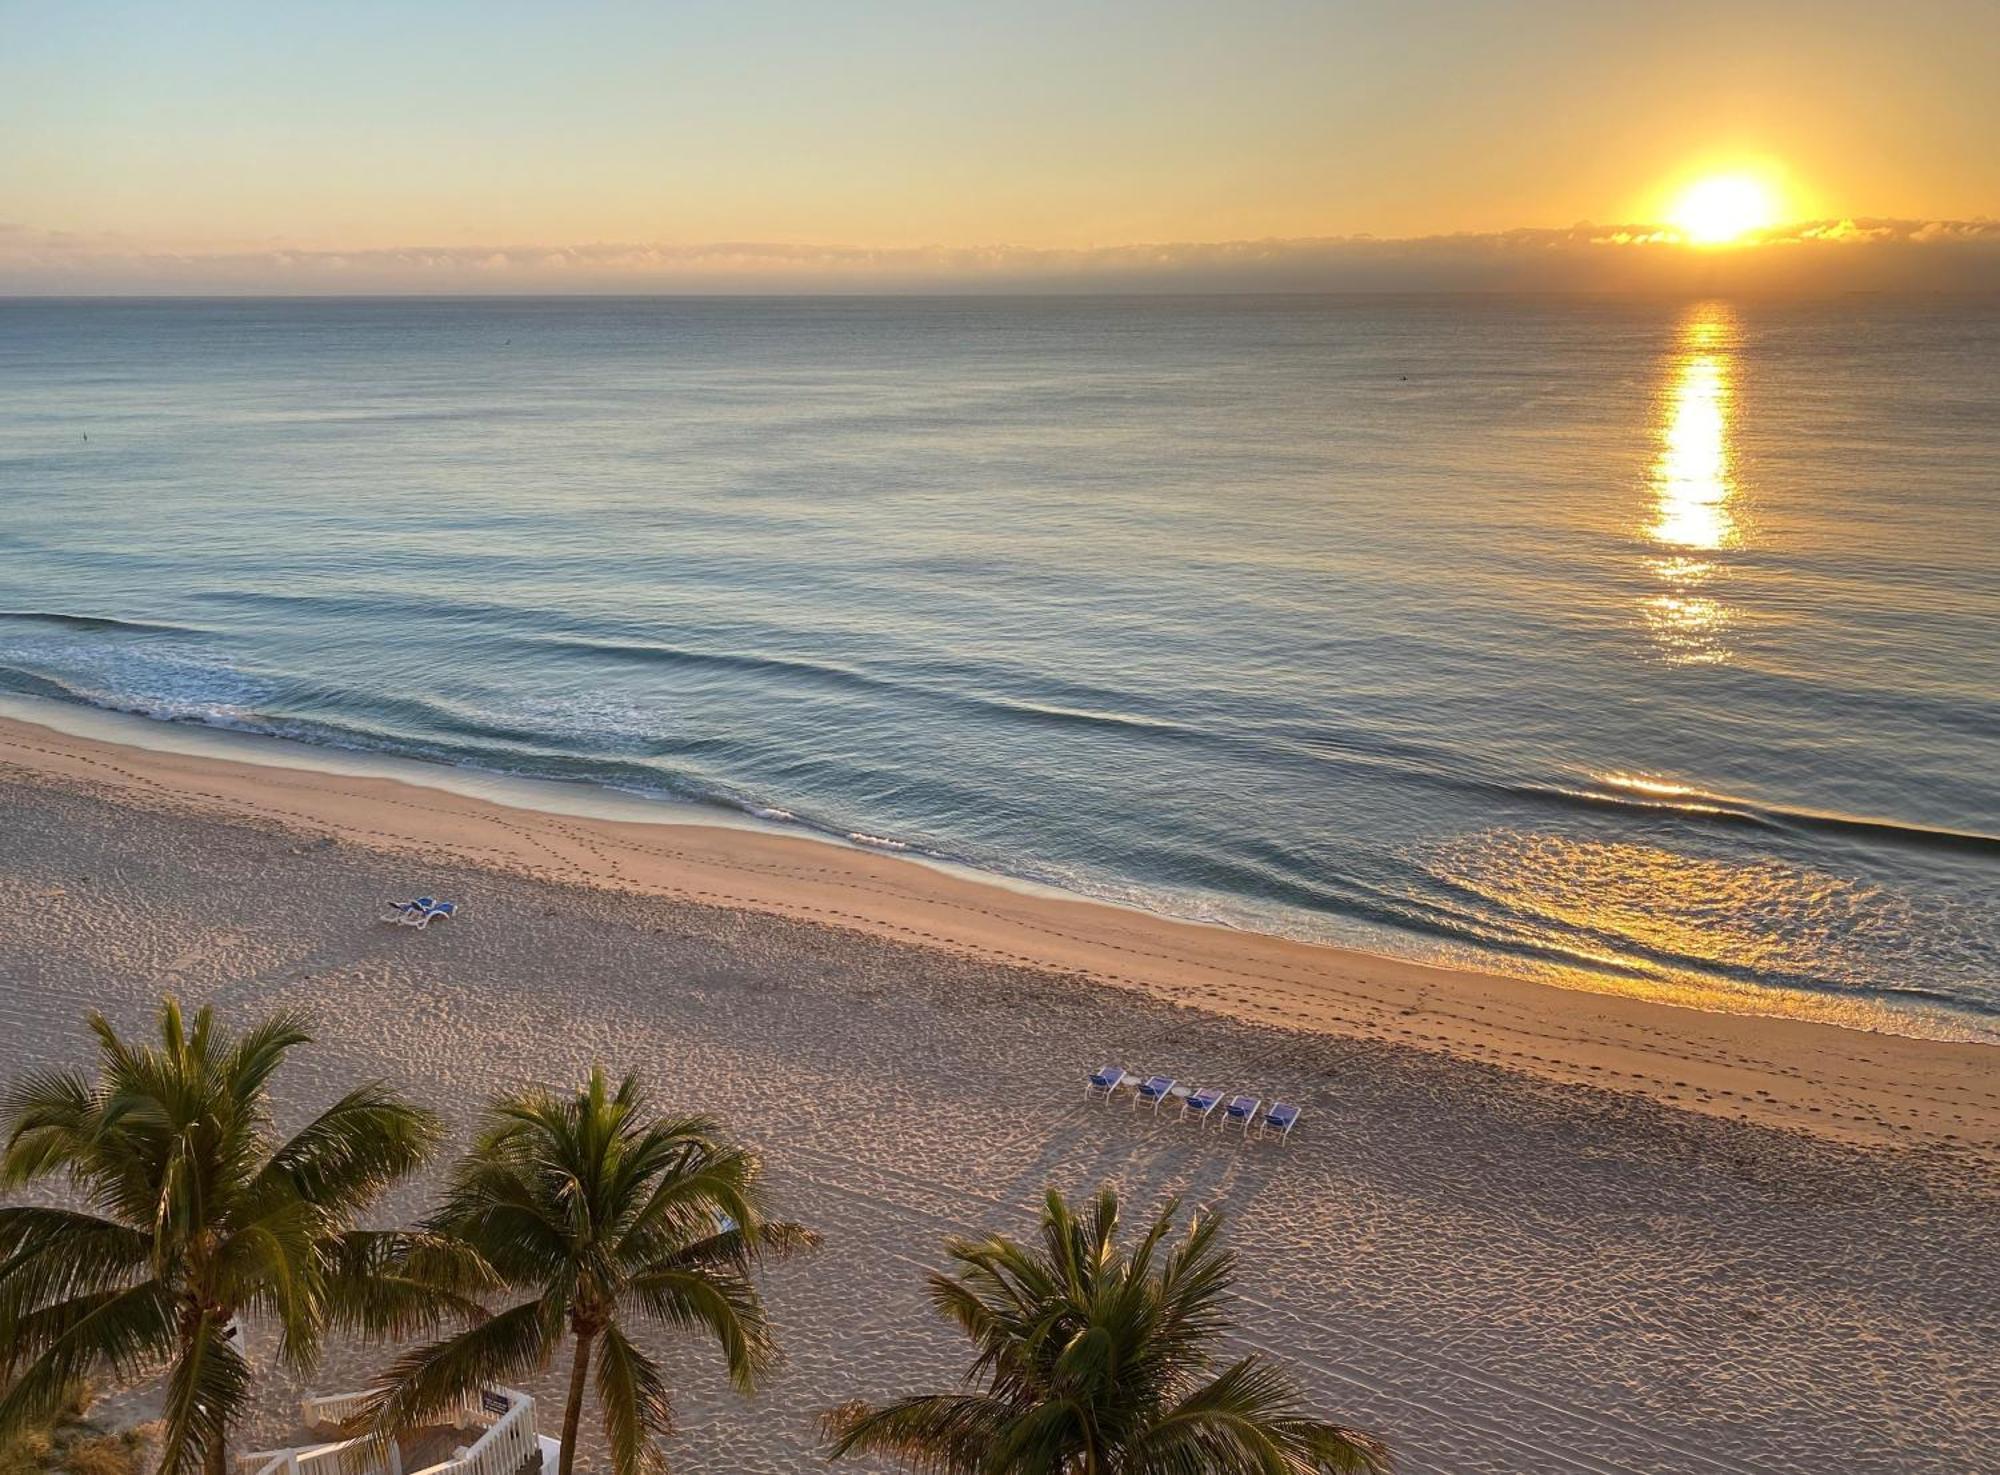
[1042,292]
[1815,258]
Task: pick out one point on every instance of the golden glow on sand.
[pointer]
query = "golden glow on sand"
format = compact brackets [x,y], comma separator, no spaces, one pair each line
[1722,209]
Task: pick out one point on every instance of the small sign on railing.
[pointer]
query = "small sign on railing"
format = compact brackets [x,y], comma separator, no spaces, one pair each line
[491,1402]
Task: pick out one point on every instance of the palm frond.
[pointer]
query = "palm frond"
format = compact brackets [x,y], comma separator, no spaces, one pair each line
[497,1207]
[275,1263]
[715,1300]
[258,1052]
[1088,1355]
[207,1390]
[740,1248]
[357,1147]
[600,1211]
[430,1380]
[125,1331]
[398,1283]
[49,1255]
[633,1398]
[692,1181]
[1245,1422]
[49,1117]
[191,1217]
[1060,1434]
[933,1434]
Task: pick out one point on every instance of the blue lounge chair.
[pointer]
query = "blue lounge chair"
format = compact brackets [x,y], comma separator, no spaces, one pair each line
[1278,1121]
[1104,1085]
[424,916]
[1201,1104]
[1152,1091]
[1241,1112]
[402,911]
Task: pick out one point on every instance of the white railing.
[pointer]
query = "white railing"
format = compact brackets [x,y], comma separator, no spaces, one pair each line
[331,1408]
[366,1455]
[508,1439]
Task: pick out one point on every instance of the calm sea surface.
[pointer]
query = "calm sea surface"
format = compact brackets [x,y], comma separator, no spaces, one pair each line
[1650,644]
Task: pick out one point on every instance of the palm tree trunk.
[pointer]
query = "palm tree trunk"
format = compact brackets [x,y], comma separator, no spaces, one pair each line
[214,1458]
[573,1415]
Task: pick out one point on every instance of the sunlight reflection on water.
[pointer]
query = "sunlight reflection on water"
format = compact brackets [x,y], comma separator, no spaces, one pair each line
[1652,910]
[1693,486]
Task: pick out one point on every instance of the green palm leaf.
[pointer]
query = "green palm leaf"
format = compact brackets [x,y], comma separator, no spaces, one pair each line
[52,1112]
[49,1255]
[206,1390]
[636,1408]
[127,1331]
[399,1284]
[356,1148]
[934,1434]
[1243,1423]
[1093,1357]
[604,1214]
[197,1215]
[713,1299]
[429,1381]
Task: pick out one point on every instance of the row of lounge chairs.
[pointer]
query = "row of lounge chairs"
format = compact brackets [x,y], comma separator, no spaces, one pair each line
[1202,1103]
[419,913]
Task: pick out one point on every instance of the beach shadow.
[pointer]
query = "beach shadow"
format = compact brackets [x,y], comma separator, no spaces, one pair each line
[1147,1159]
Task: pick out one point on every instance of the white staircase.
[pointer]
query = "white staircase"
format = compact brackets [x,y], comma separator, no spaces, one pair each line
[499,1424]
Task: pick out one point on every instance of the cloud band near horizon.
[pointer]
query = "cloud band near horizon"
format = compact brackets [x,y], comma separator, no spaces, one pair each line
[1813,257]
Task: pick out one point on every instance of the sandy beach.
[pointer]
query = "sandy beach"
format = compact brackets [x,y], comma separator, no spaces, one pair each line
[1521,1229]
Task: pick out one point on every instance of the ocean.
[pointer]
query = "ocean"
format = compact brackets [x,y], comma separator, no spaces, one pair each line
[1650,646]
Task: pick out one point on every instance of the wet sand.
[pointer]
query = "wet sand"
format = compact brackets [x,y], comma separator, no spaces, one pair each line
[1521,1228]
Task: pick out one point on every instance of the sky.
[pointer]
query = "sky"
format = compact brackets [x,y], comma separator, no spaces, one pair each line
[497,145]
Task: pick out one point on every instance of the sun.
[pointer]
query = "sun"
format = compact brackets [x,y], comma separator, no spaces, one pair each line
[1723,208]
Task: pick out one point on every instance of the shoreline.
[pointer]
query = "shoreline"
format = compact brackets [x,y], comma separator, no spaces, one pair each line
[1930,1019]
[1857,1087]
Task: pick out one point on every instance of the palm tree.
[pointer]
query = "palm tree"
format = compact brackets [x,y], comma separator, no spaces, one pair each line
[602,1215]
[192,1215]
[1093,1361]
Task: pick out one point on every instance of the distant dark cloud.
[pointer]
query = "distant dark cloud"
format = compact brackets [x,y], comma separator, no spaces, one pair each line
[1818,256]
